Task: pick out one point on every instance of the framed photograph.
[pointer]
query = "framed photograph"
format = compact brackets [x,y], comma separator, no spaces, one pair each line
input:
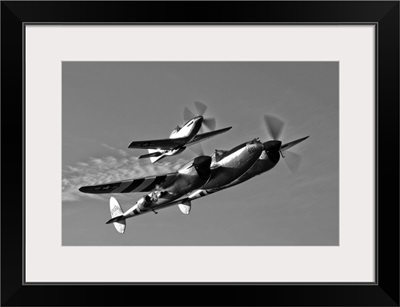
[262,139]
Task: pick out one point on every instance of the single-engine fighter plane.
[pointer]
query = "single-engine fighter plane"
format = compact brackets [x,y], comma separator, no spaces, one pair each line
[268,159]
[181,136]
[202,172]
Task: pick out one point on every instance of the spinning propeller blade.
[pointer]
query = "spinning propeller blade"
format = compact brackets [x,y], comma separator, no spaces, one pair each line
[292,160]
[274,126]
[187,114]
[210,123]
[201,108]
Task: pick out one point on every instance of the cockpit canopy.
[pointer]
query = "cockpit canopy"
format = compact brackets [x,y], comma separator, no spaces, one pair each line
[218,154]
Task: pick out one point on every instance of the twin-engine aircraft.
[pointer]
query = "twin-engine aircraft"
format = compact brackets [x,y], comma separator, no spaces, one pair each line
[200,177]
[181,137]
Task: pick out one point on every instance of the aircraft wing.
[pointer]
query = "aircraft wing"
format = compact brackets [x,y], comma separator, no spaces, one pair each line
[204,136]
[291,144]
[145,184]
[164,144]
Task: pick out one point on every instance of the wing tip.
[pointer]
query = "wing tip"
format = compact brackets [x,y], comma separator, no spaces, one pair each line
[83,189]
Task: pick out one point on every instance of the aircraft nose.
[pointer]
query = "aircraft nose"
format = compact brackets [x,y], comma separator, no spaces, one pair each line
[272,146]
[202,166]
[272,149]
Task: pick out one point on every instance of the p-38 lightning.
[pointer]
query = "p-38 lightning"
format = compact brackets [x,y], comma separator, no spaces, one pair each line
[181,137]
[201,176]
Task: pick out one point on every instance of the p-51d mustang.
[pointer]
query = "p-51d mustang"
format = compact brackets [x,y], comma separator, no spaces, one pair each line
[181,136]
[204,175]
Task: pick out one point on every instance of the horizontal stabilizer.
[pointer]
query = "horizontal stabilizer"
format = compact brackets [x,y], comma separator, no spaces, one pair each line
[115,219]
[151,155]
[155,159]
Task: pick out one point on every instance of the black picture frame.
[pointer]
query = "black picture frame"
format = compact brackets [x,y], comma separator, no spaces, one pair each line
[383,14]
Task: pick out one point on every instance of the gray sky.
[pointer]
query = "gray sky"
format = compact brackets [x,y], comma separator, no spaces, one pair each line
[107,105]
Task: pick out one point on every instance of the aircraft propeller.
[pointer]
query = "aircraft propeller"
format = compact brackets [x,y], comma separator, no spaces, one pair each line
[208,122]
[201,108]
[274,148]
[274,126]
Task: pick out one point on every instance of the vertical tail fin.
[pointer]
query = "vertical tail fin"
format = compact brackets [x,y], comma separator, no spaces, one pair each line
[117,217]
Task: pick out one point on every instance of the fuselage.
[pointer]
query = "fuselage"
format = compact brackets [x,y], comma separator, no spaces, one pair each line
[188,131]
